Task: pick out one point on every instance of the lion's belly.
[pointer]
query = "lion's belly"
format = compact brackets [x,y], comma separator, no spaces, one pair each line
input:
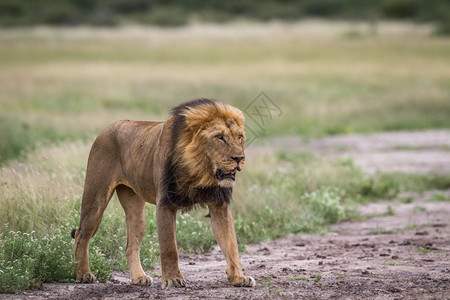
[141,149]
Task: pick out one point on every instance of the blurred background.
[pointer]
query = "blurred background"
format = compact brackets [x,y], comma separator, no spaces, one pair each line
[180,13]
[68,68]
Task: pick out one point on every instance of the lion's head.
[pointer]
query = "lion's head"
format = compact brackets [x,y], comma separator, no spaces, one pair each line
[207,146]
[211,144]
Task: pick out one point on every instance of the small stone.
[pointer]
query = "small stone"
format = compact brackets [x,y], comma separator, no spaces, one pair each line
[394,289]
[422,232]
[439,225]
[394,257]
[320,263]
[144,295]
[432,248]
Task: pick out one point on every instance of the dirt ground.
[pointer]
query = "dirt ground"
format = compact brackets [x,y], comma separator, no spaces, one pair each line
[409,152]
[400,251]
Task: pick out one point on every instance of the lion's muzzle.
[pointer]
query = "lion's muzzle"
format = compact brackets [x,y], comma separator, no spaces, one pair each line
[221,175]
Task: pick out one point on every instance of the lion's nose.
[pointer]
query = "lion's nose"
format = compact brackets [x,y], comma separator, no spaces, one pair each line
[237,158]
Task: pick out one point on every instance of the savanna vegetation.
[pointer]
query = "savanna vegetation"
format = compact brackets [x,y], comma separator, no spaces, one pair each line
[67,84]
[59,87]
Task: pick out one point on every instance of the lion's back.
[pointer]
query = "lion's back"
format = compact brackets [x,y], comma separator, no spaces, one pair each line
[125,132]
[123,140]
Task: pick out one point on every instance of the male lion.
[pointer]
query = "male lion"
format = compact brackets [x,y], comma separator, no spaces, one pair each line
[191,158]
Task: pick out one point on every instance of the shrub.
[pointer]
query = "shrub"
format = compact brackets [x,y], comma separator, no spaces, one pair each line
[27,262]
[326,205]
[101,265]
[193,235]
[164,16]
[399,8]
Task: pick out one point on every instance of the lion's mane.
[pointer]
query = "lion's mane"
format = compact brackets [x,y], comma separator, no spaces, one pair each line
[186,178]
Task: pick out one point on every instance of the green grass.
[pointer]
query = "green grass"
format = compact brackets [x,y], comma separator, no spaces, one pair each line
[427,251]
[395,230]
[419,209]
[315,278]
[406,200]
[393,264]
[419,148]
[440,197]
[388,185]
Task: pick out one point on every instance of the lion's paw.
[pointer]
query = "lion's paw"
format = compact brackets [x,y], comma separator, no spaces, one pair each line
[143,280]
[87,278]
[173,282]
[243,281]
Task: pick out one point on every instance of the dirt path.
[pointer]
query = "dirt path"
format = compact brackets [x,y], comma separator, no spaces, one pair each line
[401,252]
[408,152]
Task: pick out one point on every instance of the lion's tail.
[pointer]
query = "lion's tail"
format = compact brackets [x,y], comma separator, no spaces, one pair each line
[72,234]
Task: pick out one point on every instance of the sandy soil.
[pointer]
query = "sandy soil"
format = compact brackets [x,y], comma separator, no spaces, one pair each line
[404,254]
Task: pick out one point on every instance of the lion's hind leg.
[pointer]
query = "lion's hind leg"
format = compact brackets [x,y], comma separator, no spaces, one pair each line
[93,205]
[134,208]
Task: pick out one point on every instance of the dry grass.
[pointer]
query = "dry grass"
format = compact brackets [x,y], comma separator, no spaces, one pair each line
[45,189]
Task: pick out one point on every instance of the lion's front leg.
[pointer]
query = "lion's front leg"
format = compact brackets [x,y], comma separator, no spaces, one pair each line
[223,228]
[166,225]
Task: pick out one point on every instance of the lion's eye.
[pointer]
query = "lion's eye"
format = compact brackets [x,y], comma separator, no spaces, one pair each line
[220,137]
[240,137]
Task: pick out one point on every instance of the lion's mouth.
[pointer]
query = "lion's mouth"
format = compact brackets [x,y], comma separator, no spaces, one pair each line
[221,174]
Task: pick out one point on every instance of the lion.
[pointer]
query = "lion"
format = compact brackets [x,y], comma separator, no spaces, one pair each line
[187,160]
